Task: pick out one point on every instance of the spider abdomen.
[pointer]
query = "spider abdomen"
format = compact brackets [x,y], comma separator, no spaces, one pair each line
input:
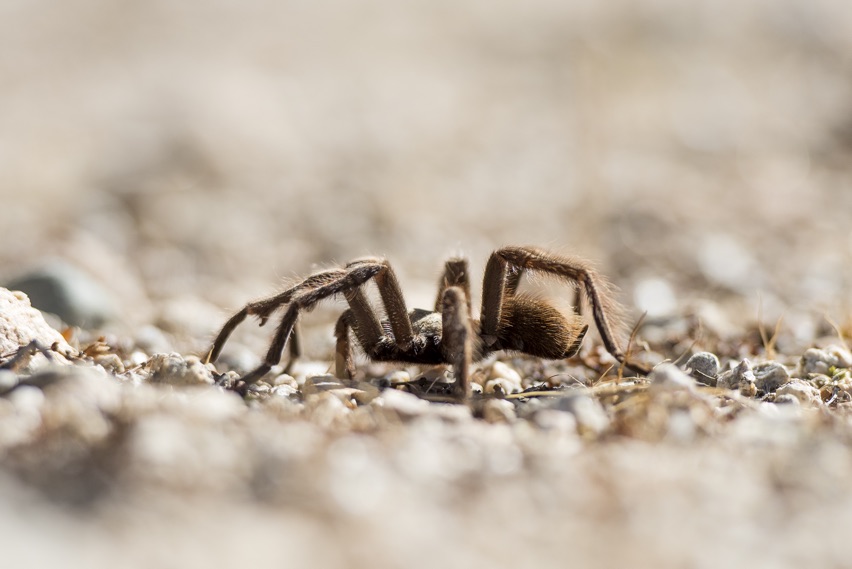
[534,327]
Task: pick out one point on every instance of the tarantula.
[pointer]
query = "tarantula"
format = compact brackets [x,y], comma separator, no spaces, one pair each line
[449,334]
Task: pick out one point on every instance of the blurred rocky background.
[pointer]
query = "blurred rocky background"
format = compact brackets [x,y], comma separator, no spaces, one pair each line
[194,155]
[161,163]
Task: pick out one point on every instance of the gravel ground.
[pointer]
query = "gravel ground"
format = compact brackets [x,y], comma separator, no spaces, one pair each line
[162,165]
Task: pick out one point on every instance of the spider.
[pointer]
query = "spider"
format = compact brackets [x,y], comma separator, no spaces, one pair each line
[449,334]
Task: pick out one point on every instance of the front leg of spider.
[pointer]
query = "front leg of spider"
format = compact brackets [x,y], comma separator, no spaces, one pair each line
[456,336]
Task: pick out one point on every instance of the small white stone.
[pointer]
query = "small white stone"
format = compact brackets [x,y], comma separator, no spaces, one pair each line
[138,358]
[806,393]
[258,390]
[172,369]
[284,379]
[501,385]
[398,376]
[284,390]
[500,370]
[502,379]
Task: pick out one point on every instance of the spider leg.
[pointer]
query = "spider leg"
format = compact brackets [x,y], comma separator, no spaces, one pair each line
[362,318]
[392,299]
[605,309]
[513,280]
[456,273]
[263,309]
[353,277]
[23,354]
[294,348]
[343,366]
[494,294]
[457,338]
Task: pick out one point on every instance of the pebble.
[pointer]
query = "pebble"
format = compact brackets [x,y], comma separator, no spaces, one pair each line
[769,376]
[398,376]
[501,386]
[138,357]
[172,369]
[816,360]
[741,377]
[110,362]
[284,379]
[804,392]
[284,390]
[503,378]
[258,391]
[747,388]
[704,367]
[68,292]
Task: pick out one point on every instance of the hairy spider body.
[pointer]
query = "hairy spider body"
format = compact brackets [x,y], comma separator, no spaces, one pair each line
[448,335]
[530,327]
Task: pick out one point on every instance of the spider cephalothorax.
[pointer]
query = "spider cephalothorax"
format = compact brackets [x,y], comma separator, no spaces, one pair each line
[449,334]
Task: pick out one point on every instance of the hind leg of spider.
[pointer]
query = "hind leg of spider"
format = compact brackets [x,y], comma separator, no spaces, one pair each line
[573,270]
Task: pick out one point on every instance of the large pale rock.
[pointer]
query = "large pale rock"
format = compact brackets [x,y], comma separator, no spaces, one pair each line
[20,324]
